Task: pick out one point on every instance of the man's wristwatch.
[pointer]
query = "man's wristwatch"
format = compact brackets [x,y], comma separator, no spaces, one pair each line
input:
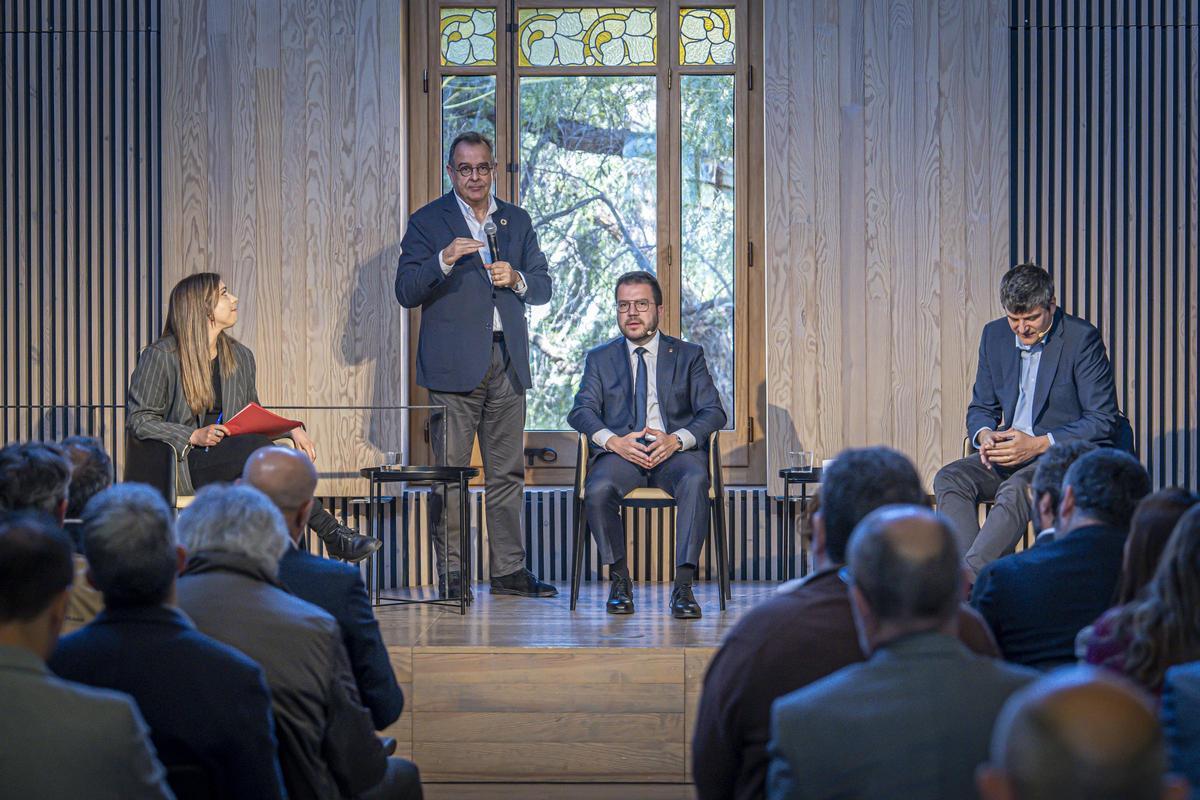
[679,439]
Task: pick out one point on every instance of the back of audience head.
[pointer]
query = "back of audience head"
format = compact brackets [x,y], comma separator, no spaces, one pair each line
[905,573]
[237,520]
[91,472]
[1153,520]
[36,571]
[1103,487]
[286,476]
[34,476]
[129,543]
[1048,477]
[859,481]
[1163,625]
[1078,734]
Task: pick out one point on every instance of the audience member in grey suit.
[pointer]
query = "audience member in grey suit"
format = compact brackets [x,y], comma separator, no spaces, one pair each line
[1079,734]
[915,719]
[58,739]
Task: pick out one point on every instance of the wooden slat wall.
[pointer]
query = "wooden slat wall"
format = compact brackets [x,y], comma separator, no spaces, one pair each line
[1106,127]
[887,217]
[79,182]
[283,169]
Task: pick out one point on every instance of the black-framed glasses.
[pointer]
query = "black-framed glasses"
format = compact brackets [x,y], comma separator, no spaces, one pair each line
[624,306]
[846,576]
[483,170]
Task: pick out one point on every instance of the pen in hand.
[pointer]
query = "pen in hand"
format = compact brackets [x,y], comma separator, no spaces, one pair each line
[220,417]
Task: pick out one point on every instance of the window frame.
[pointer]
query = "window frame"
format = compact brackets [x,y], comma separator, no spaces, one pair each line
[743,445]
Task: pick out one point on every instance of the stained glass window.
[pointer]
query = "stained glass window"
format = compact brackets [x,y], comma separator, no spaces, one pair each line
[604,37]
[468,37]
[706,36]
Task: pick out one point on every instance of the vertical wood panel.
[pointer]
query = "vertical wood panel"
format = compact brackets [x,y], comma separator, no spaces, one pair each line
[1115,193]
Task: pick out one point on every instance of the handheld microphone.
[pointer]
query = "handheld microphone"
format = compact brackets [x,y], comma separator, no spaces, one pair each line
[489,230]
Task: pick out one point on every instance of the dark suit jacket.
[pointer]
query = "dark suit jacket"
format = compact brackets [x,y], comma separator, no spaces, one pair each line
[1074,396]
[913,721]
[338,588]
[802,634]
[156,407]
[1036,601]
[207,705]
[455,344]
[1181,721]
[687,396]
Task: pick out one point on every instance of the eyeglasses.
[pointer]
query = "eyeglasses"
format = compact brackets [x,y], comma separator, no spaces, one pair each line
[623,306]
[466,170]
[846,576]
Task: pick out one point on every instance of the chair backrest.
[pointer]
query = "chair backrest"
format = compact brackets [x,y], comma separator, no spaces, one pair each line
[151,462]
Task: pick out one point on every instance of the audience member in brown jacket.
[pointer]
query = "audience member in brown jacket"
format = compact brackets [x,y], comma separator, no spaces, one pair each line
[802,634]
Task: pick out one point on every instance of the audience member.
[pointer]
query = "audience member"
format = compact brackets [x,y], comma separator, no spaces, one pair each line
[802,634]
[1181,721]
[914,719]
[289,479]
[1161,628]
[207,705]
[91,472]
[327,743]
[36,476]
[59,739]
[1078,734]
[1047,485]
[1038,600]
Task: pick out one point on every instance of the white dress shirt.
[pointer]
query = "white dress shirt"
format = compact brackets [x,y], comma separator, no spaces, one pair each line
[653,415]
[476,228]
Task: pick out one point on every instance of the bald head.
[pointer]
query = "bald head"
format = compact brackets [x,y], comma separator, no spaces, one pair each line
[906,567]
[286,476]
[1079,733]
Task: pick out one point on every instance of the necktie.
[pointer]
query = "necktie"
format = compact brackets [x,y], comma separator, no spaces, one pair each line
[639,391]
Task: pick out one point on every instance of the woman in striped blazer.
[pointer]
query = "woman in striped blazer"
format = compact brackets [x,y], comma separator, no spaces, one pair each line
[194,376]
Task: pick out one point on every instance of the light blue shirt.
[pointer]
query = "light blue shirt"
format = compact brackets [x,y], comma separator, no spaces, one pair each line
[476,228]
[1031,360]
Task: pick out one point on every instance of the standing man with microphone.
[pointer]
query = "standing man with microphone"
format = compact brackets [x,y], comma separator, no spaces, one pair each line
[472,263]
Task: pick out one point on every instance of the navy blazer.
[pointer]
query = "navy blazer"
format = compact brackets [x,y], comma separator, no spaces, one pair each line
[206,703]
[687,396]
[455,344]
[1074,397]
[338,589]
[1181,721]
[1038,600]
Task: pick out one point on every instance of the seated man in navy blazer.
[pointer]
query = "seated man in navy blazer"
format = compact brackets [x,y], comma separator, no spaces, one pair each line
[648,402]
[289,478]
[1043,377]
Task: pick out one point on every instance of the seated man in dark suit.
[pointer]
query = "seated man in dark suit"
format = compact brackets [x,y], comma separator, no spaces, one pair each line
[803,633]
[1181,720]
[58,739]
[36,476]
[648,402]
[1047,485]
[915,719]
[1079,733]
[1043,377]
[289,478]
[230,587]
[1037,600]
[207,705]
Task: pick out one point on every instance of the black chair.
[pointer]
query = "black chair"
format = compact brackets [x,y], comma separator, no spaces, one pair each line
[654,498]
[152,462]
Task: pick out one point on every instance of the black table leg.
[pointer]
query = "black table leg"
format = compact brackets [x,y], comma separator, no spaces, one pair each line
[789,533]
[464,547]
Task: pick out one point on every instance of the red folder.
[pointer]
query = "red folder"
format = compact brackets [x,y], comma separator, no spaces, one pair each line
[256,419]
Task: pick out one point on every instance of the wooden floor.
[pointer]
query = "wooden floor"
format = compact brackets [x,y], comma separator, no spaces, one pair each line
[525,693]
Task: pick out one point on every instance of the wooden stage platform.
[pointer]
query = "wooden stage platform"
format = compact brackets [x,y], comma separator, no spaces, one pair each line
[523,691]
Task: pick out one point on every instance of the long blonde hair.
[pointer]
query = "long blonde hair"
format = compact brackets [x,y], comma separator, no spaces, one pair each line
[188,313]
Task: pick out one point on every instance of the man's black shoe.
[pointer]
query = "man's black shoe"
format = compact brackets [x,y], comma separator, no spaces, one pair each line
[522,583]
[347,545]
[450,587]
[683,603]
[620,596]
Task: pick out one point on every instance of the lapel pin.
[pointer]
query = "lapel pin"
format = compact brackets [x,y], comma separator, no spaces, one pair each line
[503,221]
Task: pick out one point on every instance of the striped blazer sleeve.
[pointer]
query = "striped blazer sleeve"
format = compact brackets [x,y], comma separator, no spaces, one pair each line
[147,402]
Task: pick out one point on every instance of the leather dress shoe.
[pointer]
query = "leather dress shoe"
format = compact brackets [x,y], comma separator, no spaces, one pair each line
[522,583]
[450,587]
[683,603]
[620,596]
[344,543]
